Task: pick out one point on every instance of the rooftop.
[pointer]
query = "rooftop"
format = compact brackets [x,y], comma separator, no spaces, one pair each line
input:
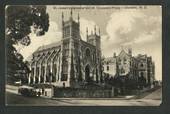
[45,47]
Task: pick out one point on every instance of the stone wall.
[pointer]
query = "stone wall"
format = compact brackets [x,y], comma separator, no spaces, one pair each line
[83,93]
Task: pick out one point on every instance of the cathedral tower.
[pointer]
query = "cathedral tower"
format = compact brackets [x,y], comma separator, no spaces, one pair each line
[94,39]
[70,28]
[69,48]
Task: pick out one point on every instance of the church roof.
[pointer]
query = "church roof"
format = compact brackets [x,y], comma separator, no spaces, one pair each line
[86,43]
[123,52]
[45,47]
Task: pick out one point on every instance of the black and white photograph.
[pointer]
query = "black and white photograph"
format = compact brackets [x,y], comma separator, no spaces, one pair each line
[83,55]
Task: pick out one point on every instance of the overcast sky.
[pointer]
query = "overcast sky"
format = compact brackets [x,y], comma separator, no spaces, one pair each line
[139,28]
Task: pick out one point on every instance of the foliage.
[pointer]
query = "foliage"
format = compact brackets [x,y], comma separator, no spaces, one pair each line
[20,21]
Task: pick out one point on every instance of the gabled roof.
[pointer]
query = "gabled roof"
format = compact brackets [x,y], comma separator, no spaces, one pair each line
[86,43]
[123,52]
[45,47]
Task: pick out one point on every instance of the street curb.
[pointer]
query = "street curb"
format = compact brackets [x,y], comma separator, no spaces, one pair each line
[91,98]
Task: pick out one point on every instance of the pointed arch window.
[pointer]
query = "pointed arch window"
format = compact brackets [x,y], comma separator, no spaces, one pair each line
[87,52]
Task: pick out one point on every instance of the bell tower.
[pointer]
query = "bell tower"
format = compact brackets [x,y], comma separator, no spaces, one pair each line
[70,28]
[94,39]
[69,48]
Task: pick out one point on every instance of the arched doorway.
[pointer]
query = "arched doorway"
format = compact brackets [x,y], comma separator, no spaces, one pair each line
[87,73]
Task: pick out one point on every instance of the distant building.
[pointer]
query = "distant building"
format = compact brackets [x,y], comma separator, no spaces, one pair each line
[109,66]
[69,63]
[146,68]
[139,69]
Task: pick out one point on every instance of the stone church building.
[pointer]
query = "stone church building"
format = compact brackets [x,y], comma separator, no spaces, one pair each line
[71,62]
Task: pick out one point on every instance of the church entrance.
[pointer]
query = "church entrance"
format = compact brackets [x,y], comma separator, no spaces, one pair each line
[87,73]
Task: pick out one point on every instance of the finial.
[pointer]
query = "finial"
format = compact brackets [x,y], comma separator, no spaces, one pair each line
[62,19]
[62,16]
[95,29]
[87,31]
[78,18]
[71,14]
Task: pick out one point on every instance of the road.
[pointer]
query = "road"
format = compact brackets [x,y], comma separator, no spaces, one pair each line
[155,95]
[153,99]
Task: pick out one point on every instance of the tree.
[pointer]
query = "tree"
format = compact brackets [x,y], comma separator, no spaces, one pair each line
[20,21]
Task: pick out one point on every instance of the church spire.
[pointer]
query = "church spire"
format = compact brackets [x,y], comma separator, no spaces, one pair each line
[78,18]
[87,32]
[62,17]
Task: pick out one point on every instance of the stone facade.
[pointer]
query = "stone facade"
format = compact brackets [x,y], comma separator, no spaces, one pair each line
[146,68]
[131,67]
[109,66]
[71,62]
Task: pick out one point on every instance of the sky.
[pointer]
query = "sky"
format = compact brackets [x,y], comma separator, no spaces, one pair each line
[136,27]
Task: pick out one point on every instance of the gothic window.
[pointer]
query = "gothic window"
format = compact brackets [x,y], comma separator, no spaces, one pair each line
[107,68]
[66,49]
[43,70]
[32,71]
[87,52]
[67,31]
[125,59]
[141,65]
[107,63]
[48,69]
[75,33]
[54,69]
[37,71]
[65,68]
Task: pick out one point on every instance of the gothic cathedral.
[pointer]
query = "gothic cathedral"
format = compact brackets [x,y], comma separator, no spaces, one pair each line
[71,62]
